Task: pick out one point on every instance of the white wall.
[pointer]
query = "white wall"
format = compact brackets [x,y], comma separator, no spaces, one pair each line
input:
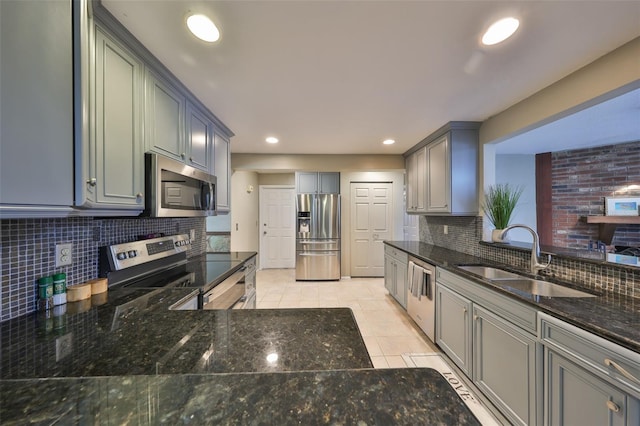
[244,212]
[520,170]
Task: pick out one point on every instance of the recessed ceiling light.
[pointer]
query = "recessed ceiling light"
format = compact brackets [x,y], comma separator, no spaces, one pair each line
[203,28]
[500,31]
[271,139]
[389,142]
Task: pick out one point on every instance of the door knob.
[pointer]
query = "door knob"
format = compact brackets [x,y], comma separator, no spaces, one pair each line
[265,232]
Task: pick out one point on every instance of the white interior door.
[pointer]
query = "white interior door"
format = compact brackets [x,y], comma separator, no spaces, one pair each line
[371,223]
[277,227]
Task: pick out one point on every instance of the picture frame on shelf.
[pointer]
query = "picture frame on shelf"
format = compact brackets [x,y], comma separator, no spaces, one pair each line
[621,206]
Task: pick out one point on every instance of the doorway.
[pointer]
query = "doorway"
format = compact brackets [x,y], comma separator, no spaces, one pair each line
[371,224]
[277,227]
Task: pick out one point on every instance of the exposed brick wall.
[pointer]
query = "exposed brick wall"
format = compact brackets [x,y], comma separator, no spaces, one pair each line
[580,181]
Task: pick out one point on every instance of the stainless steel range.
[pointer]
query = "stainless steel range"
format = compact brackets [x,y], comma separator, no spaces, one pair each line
[222,281]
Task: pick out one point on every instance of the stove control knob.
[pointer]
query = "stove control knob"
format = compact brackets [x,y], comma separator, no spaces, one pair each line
[178,243]
[122,255]
[133,253]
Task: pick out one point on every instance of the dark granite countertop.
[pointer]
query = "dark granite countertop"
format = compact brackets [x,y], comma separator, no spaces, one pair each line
[129,359]
[367,397]
[136,333]
[614,317]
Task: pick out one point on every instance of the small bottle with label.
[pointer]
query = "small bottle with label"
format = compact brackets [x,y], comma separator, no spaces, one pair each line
[45,293]
[59,289]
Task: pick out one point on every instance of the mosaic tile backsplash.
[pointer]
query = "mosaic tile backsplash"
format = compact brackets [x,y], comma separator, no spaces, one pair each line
[27,250]
[465,234]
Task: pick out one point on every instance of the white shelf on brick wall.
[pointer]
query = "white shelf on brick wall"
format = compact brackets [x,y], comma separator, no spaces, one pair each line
[608,225]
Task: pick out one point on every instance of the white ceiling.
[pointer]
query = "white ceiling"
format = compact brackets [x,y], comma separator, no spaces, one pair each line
[338,77]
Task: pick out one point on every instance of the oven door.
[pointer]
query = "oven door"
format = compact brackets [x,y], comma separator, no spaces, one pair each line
[229,294]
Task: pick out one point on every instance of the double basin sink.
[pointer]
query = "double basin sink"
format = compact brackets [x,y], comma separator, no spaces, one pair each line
[520,284]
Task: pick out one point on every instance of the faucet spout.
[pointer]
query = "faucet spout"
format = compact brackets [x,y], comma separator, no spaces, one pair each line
[535,265]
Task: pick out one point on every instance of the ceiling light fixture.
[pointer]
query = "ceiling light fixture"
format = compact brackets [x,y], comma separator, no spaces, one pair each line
[500,30]
[203,28]
[271,139]
[389,142]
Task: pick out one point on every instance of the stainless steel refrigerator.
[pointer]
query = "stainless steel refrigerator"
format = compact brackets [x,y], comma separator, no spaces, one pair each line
[318,237]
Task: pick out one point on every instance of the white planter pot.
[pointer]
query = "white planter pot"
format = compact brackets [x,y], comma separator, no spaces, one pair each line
[495,236]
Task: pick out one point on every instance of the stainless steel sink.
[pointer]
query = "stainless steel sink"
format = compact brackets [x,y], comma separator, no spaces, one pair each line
[519,284]
[490,273]
[540,288]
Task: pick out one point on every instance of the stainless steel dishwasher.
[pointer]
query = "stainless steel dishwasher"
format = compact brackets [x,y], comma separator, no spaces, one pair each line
[421,303]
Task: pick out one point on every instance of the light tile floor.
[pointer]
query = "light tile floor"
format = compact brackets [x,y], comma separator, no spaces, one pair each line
[387,330]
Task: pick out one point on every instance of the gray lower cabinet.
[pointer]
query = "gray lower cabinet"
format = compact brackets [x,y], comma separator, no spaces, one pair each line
[492,339]
[453,327]
[115,163]
[504,365]
[395,274]
[577,397]
[222,171]
[36,123]
[588,380]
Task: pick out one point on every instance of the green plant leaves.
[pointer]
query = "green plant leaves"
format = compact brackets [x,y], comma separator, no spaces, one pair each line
[499,202]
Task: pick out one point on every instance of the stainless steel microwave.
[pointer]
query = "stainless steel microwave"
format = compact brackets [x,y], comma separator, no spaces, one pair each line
[174,189]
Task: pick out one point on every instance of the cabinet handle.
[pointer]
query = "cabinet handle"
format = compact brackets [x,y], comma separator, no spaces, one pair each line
[183,155]
[464,310]
[610,363]
[92,181]
[475,318]
[139,195]
[612,406]
[191,159]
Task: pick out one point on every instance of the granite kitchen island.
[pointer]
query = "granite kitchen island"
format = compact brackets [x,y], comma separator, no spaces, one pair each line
[132,360]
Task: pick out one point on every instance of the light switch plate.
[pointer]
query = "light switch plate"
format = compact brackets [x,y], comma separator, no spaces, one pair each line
[64,255]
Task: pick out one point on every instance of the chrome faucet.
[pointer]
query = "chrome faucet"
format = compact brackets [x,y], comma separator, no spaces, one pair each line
[535,249]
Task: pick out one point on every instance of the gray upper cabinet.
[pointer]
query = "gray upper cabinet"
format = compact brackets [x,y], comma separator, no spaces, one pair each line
[317,182]
[36,100]
[165,112]
[116,164]
[438,176]
[222,171]
[199,138]
[416,165]
[442,171]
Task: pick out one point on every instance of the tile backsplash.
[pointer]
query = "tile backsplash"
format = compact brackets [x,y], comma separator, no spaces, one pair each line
[27,248]
[465,233]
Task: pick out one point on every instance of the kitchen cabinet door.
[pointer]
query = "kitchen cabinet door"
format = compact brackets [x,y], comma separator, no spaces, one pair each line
[328,183]
[222,169]
[307,182]
[416,165]
[164,115]
[574,396]
[199,138]
[438,176]
[390,274]
[395,274]
[36,123]
[504,366]
[453,327]
[117,171]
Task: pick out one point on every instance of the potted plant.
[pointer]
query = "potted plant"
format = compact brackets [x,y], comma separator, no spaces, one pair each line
[499,202]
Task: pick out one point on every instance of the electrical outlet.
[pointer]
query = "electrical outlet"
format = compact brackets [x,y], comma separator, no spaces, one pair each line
[446,229]
[192,234]
[64,255]
[64,346]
